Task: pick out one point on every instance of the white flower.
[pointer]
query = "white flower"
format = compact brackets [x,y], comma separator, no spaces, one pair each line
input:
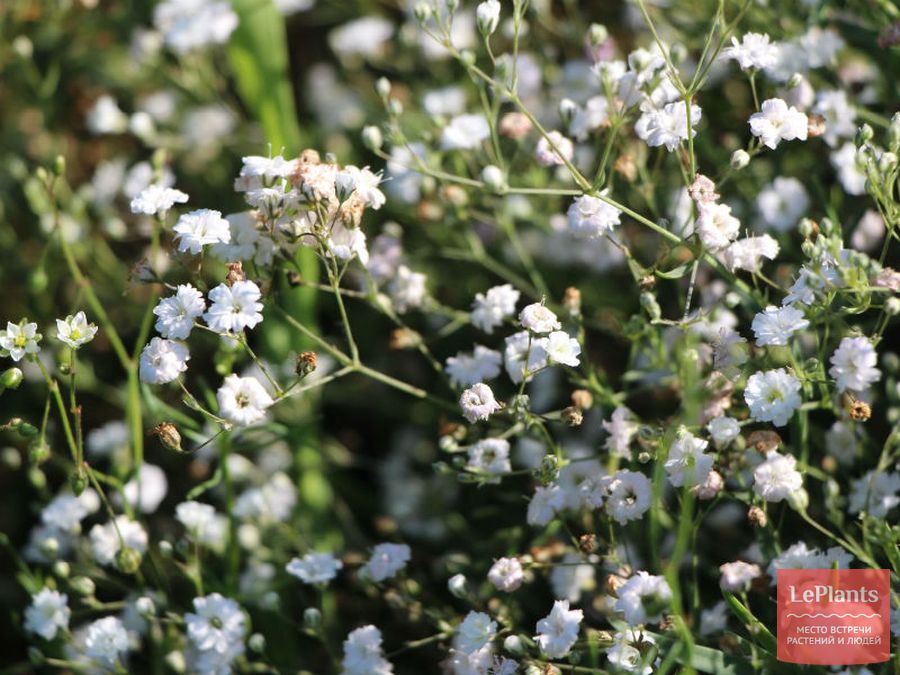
[621,429]
[876,493]
[737,576]
[851,174]
[489,309]
[465,132]
[157,199]
[367,183]
[593,115]
[146,490]
[799,557]
[177,313]
[537,318]
[363,37]
[554,149]
[215,631]
[490,455]
[777,122]
[467,369]
[853,365]
[561,348]
[189,24]
[476,630]
[747,254]
[592,217]
[478,402]
[842,442]
[66,511]
[200,228]
[569,579]
[517,348]
[315,568]
[20,339]
[782,203]
[106,542]
[105,117]
[487,16]
[629,496]
[839,114]
[47,614]
[387,559]
[715,225]
[687,464]
[777,477]
[773,396]
[643,599]
[163,361]
[667,126]
[775,325]
[754,51]
[106,641]
[75,330]
[506,574]
[243,400]
[363,655]
[558,631]
[234,308]
[545,504]
[723,430]
[201,521]
[407,289]
[628,658]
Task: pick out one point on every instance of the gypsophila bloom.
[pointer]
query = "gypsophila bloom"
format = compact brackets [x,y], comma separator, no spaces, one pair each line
[189,24]
[621,429]
[363,655]
[216,630]
[517,348]
[315,568]
[387,559]
[839,114]
[715,225]
[465,132]
[157,199]
[853,364]
[66,511]
[481,364]
[643,599]
[592,217]
[799,556]
[687,464]
[106,539]
[782,203]
[234,308]
[163,361]
[537,318]
[558,631]
[20,339]
[407,289]
[775,325]
[628,497]
[106,641]
[876,493]
[628,658]
[723,430]
[491,456]
[777,477]
[48,614]
[777,122]
[569,579]
[773,396]
[177,313]
[75,330]
[842,442]
[147,489]
[201,228]
[753,51]
[667,126]
[489,309]
[545,504]
[506,574]
[243,400]
[748,253]
[561,348]
[201,521]
[554,150]
[476,630]
[737,576]
[478,403]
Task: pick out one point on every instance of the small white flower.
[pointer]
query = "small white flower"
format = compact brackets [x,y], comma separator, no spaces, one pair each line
[687,464]
[506,574]
[629,496]
[723,430]
[106,542]
[853,365]
[753,51]
[667,126]
[715,225]
[490,455]
[737,576]
[243,400]
[200,520]
[747,254]
[773,396]
[106,641]
[777,122]
[546,502]
[467,369]
[561,348]
[201,228]
[876,493]
[234,308]
[842,442]
[569,579]
[558,631]
[643,599]
[839,114]
[363,655]
[106,117]
[487,16]
[476,630]
[188,25]
[47,614]
[177,313]
[163,361]
[146,490]
[407,289]
[465,132]
[215,631]
[478,402]
[775,325]
[621,429]
[592,217]
[157,199]
[387,559]
[489,309]
[75,330]
[782,203]
[514,356]
[554,149]
[537,318]
[20,339]
[315,568]
[777,477]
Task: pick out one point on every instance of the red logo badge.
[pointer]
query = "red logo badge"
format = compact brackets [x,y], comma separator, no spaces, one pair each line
[833,617]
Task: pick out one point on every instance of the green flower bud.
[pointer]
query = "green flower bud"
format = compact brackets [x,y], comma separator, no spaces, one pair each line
[257,643]
[77,483]
[83,586]
[128,560]
[892,306]
[59,165]
[798,499]
[372,138]
[739,159]
[457,586]
[422,12]
[493,178]
[62,569]
[312,618]
[864,134]
[11,378]
[598,34]
[38,452]
[383,87]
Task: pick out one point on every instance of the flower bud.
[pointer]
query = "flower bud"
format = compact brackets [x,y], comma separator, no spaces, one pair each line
[312,618]
[739,159]
[77,483]
[168,435]
[257,643]
[467,56]
[11,379]
[487,16]
[582,398]
[37,478]
[83,586]
[344,185]
[383,87]
[145,607]
[395,107]
[128,560]
[514,645]
[795,81]
[23,47]
[175,661]
[165,549]
[492,176]
[422,12]
[567,110]
[597,34]
[38,451]
[10,458]
[864,134]
[372,138]
[457,586]
[650,305]
[887,162]
[892,306]
[62,569]
[307,362]
[894,133]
